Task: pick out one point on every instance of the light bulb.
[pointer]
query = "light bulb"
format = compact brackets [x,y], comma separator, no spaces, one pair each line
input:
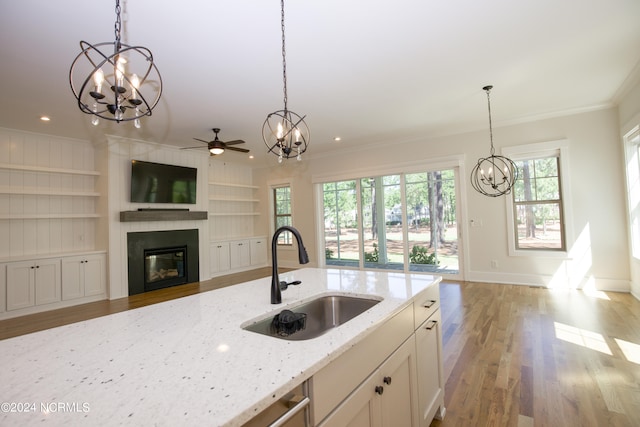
[280,131]
[98,78]
[297,135]
[120,70]
[135,83]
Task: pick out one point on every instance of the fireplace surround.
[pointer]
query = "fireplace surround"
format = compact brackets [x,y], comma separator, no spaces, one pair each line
[160,259]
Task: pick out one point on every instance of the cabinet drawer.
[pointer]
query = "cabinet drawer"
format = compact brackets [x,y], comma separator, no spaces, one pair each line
[426,304]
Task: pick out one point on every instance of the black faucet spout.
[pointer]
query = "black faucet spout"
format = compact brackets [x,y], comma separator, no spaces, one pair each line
[303,258]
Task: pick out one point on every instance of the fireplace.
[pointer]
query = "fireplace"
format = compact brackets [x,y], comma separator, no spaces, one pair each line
[160,259]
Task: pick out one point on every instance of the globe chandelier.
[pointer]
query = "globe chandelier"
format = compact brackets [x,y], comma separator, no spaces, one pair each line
[115,81]
[495,175]
[284,132]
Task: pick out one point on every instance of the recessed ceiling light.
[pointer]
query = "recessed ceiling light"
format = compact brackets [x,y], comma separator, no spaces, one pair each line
[45,118]
[251,156]
[337,139]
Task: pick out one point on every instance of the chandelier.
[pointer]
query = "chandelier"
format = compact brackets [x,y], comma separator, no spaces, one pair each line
[495,175]
[284,132]
[115,81]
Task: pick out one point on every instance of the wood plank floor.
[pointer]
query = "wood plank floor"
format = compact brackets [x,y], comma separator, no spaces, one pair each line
[513,355]
[523,356]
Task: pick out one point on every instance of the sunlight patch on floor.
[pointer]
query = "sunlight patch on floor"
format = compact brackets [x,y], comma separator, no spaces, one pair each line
[631,351]
[582,337]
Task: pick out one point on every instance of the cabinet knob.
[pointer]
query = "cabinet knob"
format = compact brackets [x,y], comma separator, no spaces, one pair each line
[379,389]
[37,266]
[387,380]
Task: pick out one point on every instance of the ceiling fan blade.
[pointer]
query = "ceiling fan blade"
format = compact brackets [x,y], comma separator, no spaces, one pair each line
[234,142]
[189,148]
[202,140]
[242,150]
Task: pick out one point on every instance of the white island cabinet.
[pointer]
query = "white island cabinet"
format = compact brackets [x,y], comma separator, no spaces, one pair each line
[190,362]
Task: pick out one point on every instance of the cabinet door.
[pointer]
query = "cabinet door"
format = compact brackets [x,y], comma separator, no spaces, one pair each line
[240,254]
[360,409]
[47,281]
[72,278]
[258,251]
[429,354]
[399,393]
[95,272]
[219,257]
[20,285]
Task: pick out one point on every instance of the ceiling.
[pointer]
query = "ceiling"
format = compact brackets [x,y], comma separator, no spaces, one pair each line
[369,72]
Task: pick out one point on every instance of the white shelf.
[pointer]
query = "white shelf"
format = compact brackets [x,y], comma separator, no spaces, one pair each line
[226,184]
[48,216]
[235,214]
[36,192]
[48,170]
[232,199]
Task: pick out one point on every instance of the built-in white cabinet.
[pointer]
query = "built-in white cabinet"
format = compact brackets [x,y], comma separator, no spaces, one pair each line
[232,256]
[83,275]
[219,257]
[35,285]
[259,251]
[240,254]
[32,283]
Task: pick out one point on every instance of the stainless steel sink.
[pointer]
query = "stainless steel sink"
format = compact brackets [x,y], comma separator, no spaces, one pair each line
[315,317]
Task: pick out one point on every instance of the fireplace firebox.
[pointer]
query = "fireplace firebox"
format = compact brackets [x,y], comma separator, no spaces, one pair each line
[160,259]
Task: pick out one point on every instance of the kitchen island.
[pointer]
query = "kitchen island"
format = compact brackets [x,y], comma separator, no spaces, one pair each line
[188,361]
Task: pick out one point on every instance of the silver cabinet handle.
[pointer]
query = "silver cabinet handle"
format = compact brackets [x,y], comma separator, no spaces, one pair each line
[291,413]
[429,303]
[431,325]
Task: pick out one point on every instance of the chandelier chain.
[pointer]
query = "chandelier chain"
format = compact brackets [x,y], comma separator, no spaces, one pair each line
[117,26]
[490,124]
[284,56]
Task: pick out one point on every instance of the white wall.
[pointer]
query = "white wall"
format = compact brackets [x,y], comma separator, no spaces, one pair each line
[598,198]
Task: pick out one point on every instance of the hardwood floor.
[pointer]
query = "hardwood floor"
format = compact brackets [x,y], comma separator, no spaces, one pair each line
[522,356]
[513,355]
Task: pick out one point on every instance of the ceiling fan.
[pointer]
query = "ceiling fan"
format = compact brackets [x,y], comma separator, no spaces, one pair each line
[217,147]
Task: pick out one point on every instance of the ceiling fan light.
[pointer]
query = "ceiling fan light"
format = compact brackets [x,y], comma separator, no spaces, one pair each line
[216,150]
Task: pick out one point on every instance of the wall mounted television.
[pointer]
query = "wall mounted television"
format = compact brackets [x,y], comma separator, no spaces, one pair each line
[160,183]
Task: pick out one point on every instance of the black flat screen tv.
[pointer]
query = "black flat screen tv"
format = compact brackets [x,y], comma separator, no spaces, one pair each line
[160,183]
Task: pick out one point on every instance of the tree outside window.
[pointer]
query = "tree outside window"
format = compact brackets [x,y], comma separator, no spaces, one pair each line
[282,212]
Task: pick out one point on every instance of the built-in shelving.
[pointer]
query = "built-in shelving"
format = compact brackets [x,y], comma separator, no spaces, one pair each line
[38,192]
[49,216]
[228,184]
[31,168]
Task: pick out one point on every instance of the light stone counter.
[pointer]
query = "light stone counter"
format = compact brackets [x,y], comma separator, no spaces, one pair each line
[185,361]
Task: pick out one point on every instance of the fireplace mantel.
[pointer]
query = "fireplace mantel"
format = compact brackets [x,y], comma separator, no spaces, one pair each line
[162,215]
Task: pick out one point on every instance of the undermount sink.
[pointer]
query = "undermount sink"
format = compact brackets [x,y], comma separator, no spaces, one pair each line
[315,317]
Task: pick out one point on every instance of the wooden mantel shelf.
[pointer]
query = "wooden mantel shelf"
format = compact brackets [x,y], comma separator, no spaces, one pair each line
[162,215]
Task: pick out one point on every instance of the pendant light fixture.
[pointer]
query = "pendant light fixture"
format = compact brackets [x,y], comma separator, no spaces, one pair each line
[495,175]
[284,132]
[115,81]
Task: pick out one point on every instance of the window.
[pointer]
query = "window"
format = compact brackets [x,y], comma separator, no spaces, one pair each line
[282,212]
[537,206]
[404,221]
[632,146]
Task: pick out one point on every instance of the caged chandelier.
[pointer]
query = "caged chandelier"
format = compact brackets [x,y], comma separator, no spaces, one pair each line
[495,175]
[103,79]
[284,132]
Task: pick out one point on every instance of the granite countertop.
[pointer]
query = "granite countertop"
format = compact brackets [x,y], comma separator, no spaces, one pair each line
[186,361]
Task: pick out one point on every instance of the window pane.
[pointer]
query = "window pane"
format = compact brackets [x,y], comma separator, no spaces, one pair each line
[340,223]
[433,246]
[382,222]
[282,211]
[539,226]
